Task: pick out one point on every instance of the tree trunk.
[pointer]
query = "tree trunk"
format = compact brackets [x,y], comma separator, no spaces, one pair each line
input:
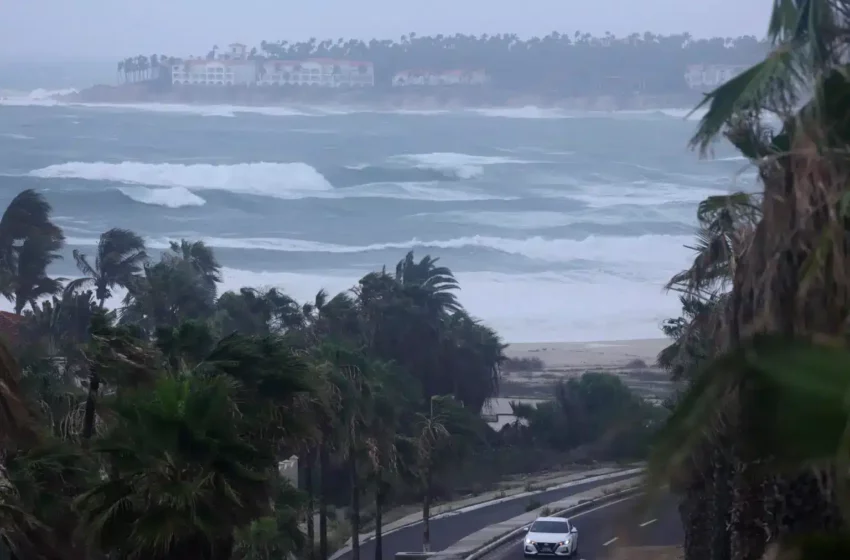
[309,487]
[379,506]
[91,403]
[722,501]
[748,515]
[426,514]
[696,522]
[355,504]
[324,465]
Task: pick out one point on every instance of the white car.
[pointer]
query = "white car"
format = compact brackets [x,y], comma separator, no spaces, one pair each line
[550,536]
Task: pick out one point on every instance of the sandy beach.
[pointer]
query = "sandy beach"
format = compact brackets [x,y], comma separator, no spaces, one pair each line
[573,355]
[632,360]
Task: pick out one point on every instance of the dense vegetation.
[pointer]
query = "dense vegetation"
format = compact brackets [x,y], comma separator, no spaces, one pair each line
[158,430]
[757,443]
[563,64]
[595,415]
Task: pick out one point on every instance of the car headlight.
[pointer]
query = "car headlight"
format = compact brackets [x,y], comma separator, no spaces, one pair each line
[564,542]
[529,541]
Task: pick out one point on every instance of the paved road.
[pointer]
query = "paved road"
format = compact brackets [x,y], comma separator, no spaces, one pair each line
[448,530]
[618,524]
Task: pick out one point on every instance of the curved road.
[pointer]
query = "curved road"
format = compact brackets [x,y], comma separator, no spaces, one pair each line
[620,523]
[445,531]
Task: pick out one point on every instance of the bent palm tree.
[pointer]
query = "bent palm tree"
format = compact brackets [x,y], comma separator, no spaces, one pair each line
[202,259]
[727,224]
[31,281]
[119,258]
[28,244]
[436,282]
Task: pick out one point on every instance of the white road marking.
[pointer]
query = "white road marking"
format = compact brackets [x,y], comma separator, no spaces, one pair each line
[645,523]
[605,505]
[609,542]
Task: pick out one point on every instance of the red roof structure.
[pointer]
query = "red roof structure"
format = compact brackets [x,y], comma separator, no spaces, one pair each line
[10,326]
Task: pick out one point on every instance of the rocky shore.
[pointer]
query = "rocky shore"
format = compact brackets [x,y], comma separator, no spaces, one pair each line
[408,99]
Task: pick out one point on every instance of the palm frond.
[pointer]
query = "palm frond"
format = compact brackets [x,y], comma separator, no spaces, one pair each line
[773,84]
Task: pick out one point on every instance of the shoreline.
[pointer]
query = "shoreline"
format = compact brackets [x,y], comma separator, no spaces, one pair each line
[605,354]
[432,100]
[633,361]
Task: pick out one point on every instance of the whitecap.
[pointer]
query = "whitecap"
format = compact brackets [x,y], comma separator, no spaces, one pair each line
[279,180]
[173,197]
[464,166]
[527,112]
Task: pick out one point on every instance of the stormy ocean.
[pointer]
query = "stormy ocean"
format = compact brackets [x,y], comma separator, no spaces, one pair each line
[560,227]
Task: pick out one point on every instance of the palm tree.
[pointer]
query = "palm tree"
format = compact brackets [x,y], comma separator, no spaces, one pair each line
[28,244]
[432,435]
[183,474]
[241,400]
[727,224]
[470,355]
[277,535]
[441,435]
[31,282]
[437,282]
[383,426]
[329,374]
[119,260]
[202,259]
[353,416]
[166,294]
[789,280]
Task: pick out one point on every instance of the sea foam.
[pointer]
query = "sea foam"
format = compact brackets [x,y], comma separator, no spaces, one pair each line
[181,182]
[644,251]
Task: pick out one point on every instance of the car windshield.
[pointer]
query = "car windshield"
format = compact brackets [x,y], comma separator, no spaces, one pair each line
[550,527]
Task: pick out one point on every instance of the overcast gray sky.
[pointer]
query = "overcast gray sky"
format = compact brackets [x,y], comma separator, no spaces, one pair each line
[115,28]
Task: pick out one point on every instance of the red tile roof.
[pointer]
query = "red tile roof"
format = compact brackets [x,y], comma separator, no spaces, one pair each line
[10,326]
[204,62]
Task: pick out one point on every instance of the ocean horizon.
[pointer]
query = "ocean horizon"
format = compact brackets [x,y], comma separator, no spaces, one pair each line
[560,226]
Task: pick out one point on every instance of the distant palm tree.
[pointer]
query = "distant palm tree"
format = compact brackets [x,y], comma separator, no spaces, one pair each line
[120,257]
[154,63]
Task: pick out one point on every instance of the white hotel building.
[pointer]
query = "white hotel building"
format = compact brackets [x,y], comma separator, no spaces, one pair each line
[709,76]
[408,78]
[234,69]
[316,72]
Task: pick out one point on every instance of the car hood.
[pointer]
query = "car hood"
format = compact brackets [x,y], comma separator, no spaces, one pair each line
[547,537]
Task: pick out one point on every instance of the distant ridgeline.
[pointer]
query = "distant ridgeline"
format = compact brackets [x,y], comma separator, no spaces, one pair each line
[565,65]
